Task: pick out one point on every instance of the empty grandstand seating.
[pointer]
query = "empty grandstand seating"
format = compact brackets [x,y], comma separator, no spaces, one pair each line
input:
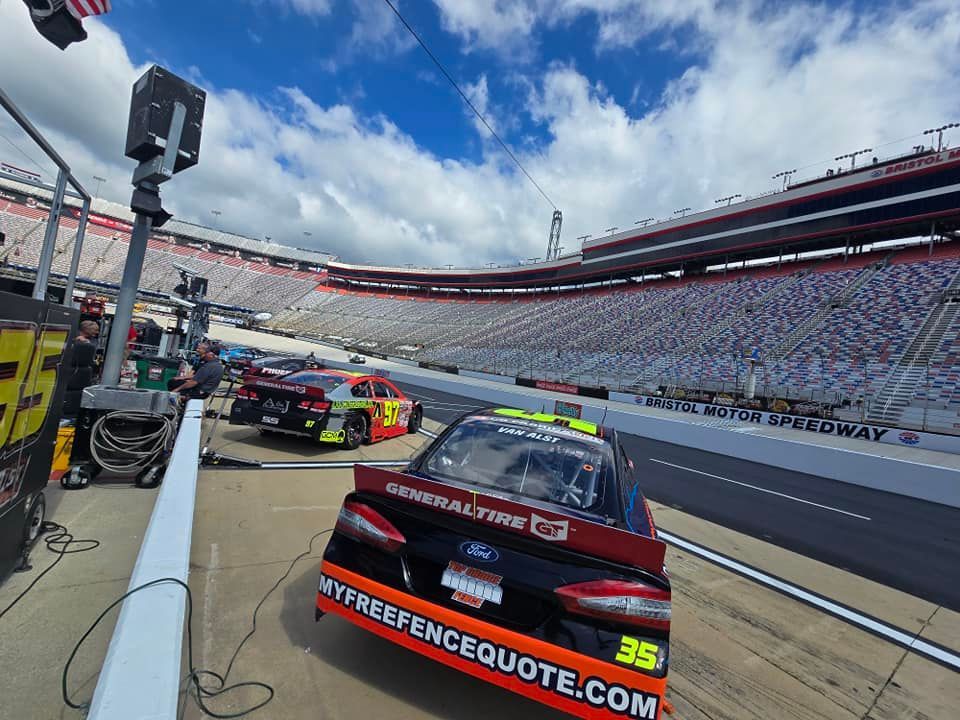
[835,328]
[232,281]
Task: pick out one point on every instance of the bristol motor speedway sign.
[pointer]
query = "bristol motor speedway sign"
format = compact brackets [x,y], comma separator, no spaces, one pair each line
[838,428]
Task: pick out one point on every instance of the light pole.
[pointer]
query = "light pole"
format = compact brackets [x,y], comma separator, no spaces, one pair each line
[785,174]
[584,238]
[611,230]
[643,223]
[728,199]
[268,237]
[216,217]
[939,132]
[853,156]
[681,212]
[307,234]
[96,193]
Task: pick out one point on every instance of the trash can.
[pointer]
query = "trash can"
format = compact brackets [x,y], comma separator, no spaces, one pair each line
[154,372]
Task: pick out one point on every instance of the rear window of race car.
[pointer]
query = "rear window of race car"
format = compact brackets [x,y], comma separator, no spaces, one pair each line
[530,459]
[325,381]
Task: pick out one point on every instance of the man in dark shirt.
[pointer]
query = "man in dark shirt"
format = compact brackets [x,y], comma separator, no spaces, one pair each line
[207,377]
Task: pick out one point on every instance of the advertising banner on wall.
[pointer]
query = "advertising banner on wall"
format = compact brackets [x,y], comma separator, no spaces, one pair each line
[838,428]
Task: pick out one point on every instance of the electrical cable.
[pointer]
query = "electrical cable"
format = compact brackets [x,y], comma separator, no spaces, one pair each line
[58,543]
[468,102]
[128,454]
[193,680]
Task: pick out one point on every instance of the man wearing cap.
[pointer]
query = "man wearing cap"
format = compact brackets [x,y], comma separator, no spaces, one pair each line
[207,377]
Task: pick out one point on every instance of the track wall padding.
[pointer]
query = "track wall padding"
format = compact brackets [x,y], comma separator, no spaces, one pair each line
[925,482]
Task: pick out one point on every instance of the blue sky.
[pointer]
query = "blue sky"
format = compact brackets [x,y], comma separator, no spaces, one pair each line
[262,45]
[323,117]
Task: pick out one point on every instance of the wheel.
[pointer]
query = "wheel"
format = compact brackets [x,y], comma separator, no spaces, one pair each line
[34,521]
[149,478]
[413,424]
[354,431]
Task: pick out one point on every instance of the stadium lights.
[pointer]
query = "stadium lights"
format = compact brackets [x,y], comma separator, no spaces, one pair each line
[681,212]
[584,238]
[611,230]
[853,156]
[939,132]
[785,174]
[728,199]
[643,222]
[216,215]
[99,180]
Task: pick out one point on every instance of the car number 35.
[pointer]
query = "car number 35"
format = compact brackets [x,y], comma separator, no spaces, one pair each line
[638,653]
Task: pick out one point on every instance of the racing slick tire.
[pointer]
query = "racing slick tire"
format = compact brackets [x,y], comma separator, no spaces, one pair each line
[354,431]
[413,424]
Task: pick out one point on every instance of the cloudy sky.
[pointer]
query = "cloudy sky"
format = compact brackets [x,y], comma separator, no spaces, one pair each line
[325,117]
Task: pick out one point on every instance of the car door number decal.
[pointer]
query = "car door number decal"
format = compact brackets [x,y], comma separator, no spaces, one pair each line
[391,411]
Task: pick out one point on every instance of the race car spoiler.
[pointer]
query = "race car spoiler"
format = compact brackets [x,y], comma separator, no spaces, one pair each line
[591,538]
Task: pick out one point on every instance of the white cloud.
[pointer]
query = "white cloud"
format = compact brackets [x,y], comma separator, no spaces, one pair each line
[309,8]
[772,91]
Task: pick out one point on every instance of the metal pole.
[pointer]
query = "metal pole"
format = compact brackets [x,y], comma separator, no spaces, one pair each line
[77,247]
[933,231]
[926,399]
[50,238]
[125,299]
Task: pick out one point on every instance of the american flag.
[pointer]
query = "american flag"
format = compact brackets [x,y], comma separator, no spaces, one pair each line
[84,8]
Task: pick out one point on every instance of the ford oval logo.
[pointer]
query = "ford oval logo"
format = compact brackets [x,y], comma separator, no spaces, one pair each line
[479,551]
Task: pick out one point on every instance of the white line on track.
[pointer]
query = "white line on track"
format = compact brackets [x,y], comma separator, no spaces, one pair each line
[894,635]
[419,395]
[760,489]
[450,406]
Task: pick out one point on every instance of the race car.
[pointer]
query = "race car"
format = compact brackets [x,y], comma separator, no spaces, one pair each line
[328,406]
[517,548]
[271,366]
[357,359]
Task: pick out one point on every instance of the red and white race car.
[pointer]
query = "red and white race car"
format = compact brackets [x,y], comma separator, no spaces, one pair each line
[330,406]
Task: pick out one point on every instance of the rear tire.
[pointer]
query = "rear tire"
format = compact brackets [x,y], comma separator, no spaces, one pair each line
[416,418]
[354,431]
[34,520]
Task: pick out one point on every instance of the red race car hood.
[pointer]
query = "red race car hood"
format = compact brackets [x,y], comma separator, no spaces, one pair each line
[573,533]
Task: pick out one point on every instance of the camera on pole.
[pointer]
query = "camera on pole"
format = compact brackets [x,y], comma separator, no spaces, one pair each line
[163,135]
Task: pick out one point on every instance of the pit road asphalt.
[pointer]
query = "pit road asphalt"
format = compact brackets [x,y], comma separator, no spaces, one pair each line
[907,544]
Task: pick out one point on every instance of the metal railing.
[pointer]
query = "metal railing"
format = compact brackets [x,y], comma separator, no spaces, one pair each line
[64,177]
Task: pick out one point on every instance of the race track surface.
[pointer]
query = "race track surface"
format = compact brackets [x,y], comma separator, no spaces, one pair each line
[901,542]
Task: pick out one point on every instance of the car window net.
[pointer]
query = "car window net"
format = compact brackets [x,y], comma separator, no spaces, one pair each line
[524,459]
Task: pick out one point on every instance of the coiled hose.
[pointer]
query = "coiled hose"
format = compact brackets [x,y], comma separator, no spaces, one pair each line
[121,453]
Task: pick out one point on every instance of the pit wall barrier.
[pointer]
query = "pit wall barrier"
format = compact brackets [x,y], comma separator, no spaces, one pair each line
[918,480]
[141,675]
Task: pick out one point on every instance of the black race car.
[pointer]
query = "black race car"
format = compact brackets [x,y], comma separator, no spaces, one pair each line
[517,548]
[272,366]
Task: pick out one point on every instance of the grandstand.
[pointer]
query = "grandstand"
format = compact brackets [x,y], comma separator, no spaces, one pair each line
[244,274]
[816,280]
